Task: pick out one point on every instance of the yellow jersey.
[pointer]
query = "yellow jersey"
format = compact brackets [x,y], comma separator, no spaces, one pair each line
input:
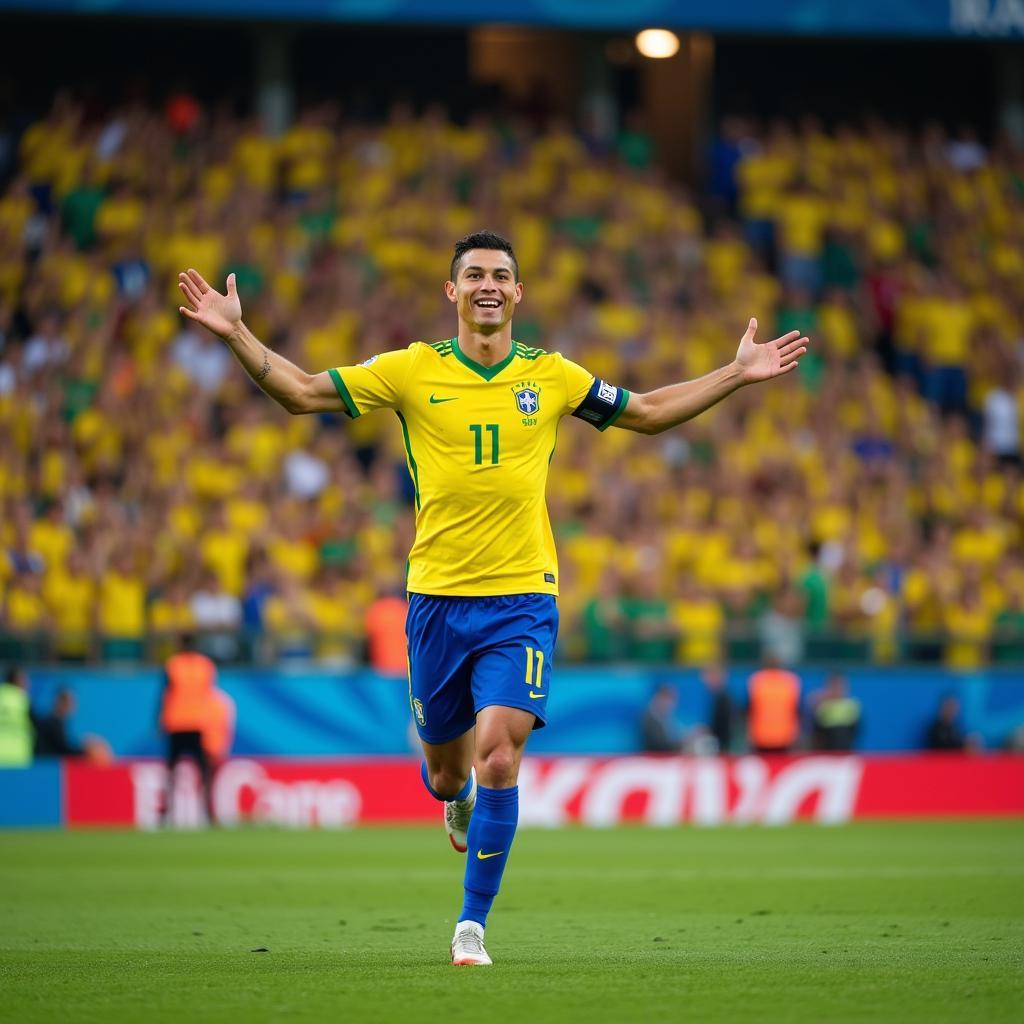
[478,441]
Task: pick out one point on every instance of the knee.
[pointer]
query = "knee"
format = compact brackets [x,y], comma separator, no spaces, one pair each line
[498,767]
[446,783]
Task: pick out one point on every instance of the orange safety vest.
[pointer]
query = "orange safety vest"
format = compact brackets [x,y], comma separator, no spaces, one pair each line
[187,699]
[385,629]
[219,732]
[774,708]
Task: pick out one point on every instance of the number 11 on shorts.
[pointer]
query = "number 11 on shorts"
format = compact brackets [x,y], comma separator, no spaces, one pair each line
[531,671]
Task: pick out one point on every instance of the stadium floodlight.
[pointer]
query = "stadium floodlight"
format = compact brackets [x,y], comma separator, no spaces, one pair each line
[657,43]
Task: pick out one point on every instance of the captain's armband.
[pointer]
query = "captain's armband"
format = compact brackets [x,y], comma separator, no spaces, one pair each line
[603,404]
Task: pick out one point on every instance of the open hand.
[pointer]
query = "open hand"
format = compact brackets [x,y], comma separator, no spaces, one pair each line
[218,313]
[772,358]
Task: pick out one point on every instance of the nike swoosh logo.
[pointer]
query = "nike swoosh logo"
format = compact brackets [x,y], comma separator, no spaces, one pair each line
[534,696]
[480,855]
[438,401]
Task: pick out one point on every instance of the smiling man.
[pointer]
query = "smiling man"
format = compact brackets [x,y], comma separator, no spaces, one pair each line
[479,415]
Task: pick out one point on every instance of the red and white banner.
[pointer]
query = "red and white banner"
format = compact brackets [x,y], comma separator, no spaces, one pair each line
[562,790]
[296,794]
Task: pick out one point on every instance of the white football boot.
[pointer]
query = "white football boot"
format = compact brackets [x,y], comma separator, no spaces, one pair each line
[457,814]
[468,946]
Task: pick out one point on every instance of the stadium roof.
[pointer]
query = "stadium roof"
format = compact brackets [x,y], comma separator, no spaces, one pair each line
[924,18]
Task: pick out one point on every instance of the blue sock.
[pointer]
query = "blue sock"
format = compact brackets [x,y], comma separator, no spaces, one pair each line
[491,831]
[461,795]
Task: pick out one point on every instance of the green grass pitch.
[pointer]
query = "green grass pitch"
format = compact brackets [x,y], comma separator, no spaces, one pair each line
[868,922]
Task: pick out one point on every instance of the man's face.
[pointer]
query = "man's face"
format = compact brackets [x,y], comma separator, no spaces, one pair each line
[666,698]
[485,290]
[714,679]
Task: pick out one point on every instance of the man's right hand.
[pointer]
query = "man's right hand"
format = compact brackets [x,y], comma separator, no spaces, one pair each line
[218,313]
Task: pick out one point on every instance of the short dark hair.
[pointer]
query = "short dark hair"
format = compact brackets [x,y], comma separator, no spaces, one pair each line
[482,240]
[15,675]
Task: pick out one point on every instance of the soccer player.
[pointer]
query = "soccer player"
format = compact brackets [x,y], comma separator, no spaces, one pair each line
[479,414]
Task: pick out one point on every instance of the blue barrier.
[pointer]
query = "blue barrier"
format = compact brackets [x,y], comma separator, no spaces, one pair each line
[318,713]
[31,797]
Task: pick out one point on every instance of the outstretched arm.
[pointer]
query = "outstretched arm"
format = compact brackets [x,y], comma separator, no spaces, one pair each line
[285,382]
[655,411]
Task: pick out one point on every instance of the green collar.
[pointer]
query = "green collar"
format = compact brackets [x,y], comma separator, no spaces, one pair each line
[487,372]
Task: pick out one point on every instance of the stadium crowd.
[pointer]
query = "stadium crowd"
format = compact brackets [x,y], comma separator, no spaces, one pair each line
[870,506]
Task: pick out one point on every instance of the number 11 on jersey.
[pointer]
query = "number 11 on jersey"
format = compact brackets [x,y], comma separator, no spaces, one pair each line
[478,442]
[532,672]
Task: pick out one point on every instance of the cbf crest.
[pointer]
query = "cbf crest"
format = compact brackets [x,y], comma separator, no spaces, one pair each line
[527,395]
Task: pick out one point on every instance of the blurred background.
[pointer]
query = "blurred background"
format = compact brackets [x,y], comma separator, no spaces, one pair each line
[857,175]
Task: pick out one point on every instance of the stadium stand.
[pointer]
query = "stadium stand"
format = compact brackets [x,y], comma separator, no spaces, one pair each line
[146,488]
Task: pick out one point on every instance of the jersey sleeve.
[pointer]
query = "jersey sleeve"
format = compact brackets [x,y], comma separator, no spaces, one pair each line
[592,399]
[377,383]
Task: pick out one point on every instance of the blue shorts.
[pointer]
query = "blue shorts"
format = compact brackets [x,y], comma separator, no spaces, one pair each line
[468,653]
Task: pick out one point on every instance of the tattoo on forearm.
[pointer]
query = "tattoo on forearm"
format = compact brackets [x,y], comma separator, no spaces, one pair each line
[266,367]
